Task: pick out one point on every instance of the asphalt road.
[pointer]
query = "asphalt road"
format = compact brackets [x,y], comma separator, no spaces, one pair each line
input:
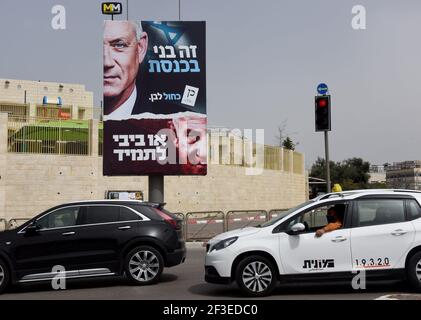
[186,282]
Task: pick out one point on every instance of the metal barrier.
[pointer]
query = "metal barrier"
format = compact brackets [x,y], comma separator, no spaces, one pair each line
[236,219]
[204,225]
[3,225]
[16,222]
[48,136]
[179,215]
[183,224]
[275,213]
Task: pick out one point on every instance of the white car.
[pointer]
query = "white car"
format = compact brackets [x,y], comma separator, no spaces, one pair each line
[381,234]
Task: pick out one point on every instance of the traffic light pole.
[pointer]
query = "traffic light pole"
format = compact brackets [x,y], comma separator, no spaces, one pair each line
[328,187]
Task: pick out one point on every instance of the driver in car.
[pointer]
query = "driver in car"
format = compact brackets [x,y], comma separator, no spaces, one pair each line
[335,216]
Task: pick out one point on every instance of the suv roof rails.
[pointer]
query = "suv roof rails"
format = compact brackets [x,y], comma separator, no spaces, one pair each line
[158,205]
[406,190]
[336,194]
[349,192]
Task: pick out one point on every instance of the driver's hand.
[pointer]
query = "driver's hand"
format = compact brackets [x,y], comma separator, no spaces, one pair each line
[319,233]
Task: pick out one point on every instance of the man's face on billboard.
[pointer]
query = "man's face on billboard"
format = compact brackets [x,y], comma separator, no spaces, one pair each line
[191,142]
[122,55]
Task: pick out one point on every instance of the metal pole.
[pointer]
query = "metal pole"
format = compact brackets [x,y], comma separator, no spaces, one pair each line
[328,188]
[127,9]
[156,188]
[179,10]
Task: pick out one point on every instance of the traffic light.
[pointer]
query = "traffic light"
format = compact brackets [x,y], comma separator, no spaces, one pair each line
[322,113]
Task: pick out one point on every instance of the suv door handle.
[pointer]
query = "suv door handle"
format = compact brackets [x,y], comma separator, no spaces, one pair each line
[398,232]
[68,233]
[124,228]
[338,239]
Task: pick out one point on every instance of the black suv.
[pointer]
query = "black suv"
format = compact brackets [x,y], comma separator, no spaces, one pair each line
[91,239]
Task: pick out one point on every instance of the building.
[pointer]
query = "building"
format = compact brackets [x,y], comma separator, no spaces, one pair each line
[46,99]
[404,175]
[377,174]
[48,156]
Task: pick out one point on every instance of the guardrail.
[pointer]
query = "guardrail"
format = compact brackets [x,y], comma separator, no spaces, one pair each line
[3,224]
[183,224]
[203,225]
[236,219]
[275,213]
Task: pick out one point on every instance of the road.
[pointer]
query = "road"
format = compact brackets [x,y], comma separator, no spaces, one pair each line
[186,282]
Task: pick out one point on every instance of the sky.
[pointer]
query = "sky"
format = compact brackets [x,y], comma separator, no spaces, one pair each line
[264,61]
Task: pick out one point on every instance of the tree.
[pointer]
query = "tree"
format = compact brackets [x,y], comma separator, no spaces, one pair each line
[284,139]
[288,144]
[351,173]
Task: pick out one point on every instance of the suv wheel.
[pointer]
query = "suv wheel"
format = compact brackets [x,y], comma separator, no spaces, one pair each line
[413,270]
[4,276]
[144,265]
[256,276]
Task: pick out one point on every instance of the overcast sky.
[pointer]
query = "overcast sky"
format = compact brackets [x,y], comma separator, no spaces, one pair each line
[264,61]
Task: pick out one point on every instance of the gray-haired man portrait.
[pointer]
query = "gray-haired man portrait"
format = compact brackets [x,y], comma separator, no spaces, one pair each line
[125,46]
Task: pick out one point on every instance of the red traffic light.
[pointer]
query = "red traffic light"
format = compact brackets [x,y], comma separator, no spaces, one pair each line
[322,113]
[321,103]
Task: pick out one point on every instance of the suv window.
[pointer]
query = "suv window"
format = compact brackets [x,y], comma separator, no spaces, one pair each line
[414,210]
[128,215]
[145,210]
[65,217]
[379,211]
[102,214]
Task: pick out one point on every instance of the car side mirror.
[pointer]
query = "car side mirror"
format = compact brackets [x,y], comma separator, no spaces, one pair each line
[32,229]
[296,229]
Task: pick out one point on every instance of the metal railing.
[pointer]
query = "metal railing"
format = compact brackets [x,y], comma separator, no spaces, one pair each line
[203,225]
[47,136]
[183,224]
[16,222]
[14,109]
[275,213]
[236,219]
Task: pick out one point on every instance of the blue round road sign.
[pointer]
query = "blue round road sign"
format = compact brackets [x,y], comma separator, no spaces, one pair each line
[322,88]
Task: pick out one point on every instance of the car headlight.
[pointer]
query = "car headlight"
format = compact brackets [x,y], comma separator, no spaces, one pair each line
[224,243]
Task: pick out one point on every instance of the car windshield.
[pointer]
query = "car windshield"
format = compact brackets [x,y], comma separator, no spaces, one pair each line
[283,214]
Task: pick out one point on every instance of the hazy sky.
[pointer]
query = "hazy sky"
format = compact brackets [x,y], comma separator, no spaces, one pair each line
[264,60]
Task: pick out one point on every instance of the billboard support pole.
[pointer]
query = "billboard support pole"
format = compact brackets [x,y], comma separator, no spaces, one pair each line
[156,188]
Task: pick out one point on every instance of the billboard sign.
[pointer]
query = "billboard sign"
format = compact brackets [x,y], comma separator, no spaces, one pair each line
[154,87]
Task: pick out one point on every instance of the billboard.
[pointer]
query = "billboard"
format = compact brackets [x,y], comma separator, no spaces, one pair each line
[154,87]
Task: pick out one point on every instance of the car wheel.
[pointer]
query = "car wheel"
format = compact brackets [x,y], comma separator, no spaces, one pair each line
[144,265]
[413,270]
[4,276]
[256,276]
